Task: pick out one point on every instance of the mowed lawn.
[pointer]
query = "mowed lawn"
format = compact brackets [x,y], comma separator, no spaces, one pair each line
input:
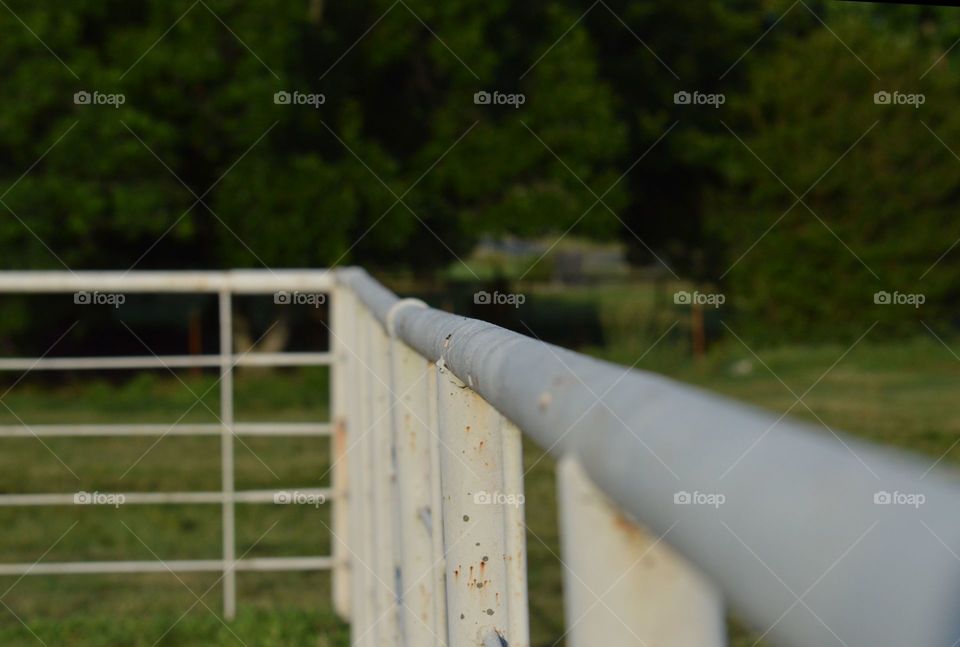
[898,393]
[163,609]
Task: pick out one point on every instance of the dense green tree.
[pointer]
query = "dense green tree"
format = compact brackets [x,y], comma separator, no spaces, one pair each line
[199,166]
[649,52]
[879,182]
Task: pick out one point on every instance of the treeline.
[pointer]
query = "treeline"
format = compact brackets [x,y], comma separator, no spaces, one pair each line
[786,181]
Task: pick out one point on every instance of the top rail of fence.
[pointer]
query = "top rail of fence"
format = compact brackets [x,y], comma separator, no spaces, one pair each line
[803,525]
[235,281]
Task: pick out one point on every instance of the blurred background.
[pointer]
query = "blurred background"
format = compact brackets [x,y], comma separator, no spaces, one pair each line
[756,196]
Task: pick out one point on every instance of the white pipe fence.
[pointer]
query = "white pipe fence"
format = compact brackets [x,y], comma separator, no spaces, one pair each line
[224,285]
[796,534]
[783,521]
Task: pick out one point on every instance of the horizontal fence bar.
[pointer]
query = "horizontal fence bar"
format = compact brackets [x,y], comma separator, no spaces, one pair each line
[236,281]
[799,500]
[160,429]
[294,496]
[284,359]
[177,566]
[162,361]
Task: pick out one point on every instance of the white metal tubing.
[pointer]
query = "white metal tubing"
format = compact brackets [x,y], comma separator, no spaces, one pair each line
[223,284]
[236,281]
[435,518]
[795,495]
[177,429]
[226,455]
[364,583]
[623,585]
[283,359]
[155,498]
[412,439]
[515,528]
[474,523]
[160,361]
[177,566]
[340,331]
[383,478]
[352,337]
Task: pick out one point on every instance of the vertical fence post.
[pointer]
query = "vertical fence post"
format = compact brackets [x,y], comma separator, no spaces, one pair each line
[439,560]
[226,455]
[415,516]
[340,339]
[359,491]
[516,534]
[623,585]
[475,499]
[382,477]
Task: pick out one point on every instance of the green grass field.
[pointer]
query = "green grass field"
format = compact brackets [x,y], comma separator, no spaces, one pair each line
[898,393]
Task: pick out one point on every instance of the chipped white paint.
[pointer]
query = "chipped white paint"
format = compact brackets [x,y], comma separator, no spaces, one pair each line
[624,585]
[795,496]
[474,519]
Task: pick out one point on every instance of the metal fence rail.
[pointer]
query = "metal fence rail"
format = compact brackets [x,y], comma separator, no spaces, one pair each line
[802,546]
[427,485]
[224,285]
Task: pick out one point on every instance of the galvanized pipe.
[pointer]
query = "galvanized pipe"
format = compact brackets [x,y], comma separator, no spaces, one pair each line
[798,547]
